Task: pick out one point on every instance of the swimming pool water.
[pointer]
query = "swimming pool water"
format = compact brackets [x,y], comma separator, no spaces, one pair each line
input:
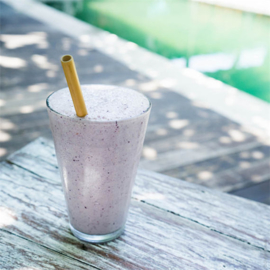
[229,45]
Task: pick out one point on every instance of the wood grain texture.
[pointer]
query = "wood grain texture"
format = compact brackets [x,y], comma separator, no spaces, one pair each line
[20,253]
[172,224]
[154,238]
[229,215]
[220,211]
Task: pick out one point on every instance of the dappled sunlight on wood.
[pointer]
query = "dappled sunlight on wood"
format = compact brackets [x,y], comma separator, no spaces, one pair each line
[98,68]
[26,109]
[205,175]
[85,38]
[169,82]
[178,124]
[188,145]
[6,124]
[244,164]
[2,102]
[148,86]
[257,155]
[7,217]
[149,153]
[256,132]
[51,74]
[237,135]
[42,62]
[155,95]
[171,115]
[12,62]
[200,105]
[3,151]
[130,82]
[151,196]
[18,41]
[203,79]
[37,87]
[4,137]
[256,178]
[225,140]
[161,131]
[83,52]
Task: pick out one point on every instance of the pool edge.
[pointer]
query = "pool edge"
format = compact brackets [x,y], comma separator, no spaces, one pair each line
[228,101]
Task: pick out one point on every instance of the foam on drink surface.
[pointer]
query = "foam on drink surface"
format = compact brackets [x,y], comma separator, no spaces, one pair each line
[103,103]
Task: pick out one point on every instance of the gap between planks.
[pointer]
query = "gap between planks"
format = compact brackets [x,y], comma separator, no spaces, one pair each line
[198,223]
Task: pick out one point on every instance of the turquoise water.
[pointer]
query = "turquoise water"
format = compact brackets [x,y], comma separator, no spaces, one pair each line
[229,45]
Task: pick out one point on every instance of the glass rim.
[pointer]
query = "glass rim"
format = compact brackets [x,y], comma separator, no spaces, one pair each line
[98,121]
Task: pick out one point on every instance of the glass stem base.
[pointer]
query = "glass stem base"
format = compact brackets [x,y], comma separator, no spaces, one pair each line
[96,238]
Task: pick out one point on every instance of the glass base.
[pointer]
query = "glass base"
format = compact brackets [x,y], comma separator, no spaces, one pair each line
[96,238]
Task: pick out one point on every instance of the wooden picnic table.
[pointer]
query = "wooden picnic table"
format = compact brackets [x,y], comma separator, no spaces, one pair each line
[172,224]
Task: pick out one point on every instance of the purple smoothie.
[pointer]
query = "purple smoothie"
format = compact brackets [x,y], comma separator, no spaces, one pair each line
[98,155]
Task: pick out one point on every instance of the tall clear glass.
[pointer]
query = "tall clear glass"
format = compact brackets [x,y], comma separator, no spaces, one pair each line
[98,162]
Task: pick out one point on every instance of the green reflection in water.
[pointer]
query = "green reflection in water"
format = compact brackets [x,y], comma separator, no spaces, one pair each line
[229,45]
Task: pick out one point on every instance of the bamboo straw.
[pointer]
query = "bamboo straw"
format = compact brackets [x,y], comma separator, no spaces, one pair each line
[74,85]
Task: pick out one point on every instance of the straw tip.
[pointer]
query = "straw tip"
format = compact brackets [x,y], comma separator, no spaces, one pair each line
[66,58]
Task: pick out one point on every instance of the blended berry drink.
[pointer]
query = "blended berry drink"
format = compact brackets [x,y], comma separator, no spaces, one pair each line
[98,156]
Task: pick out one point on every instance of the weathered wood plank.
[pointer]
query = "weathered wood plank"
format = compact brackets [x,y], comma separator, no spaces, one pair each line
[154,238]
[22,121]
[196,134]
[20,253]
[27,135]
[21,139]
[229,172]
[195,131]
[218,211]
[181,157]
[21,129]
